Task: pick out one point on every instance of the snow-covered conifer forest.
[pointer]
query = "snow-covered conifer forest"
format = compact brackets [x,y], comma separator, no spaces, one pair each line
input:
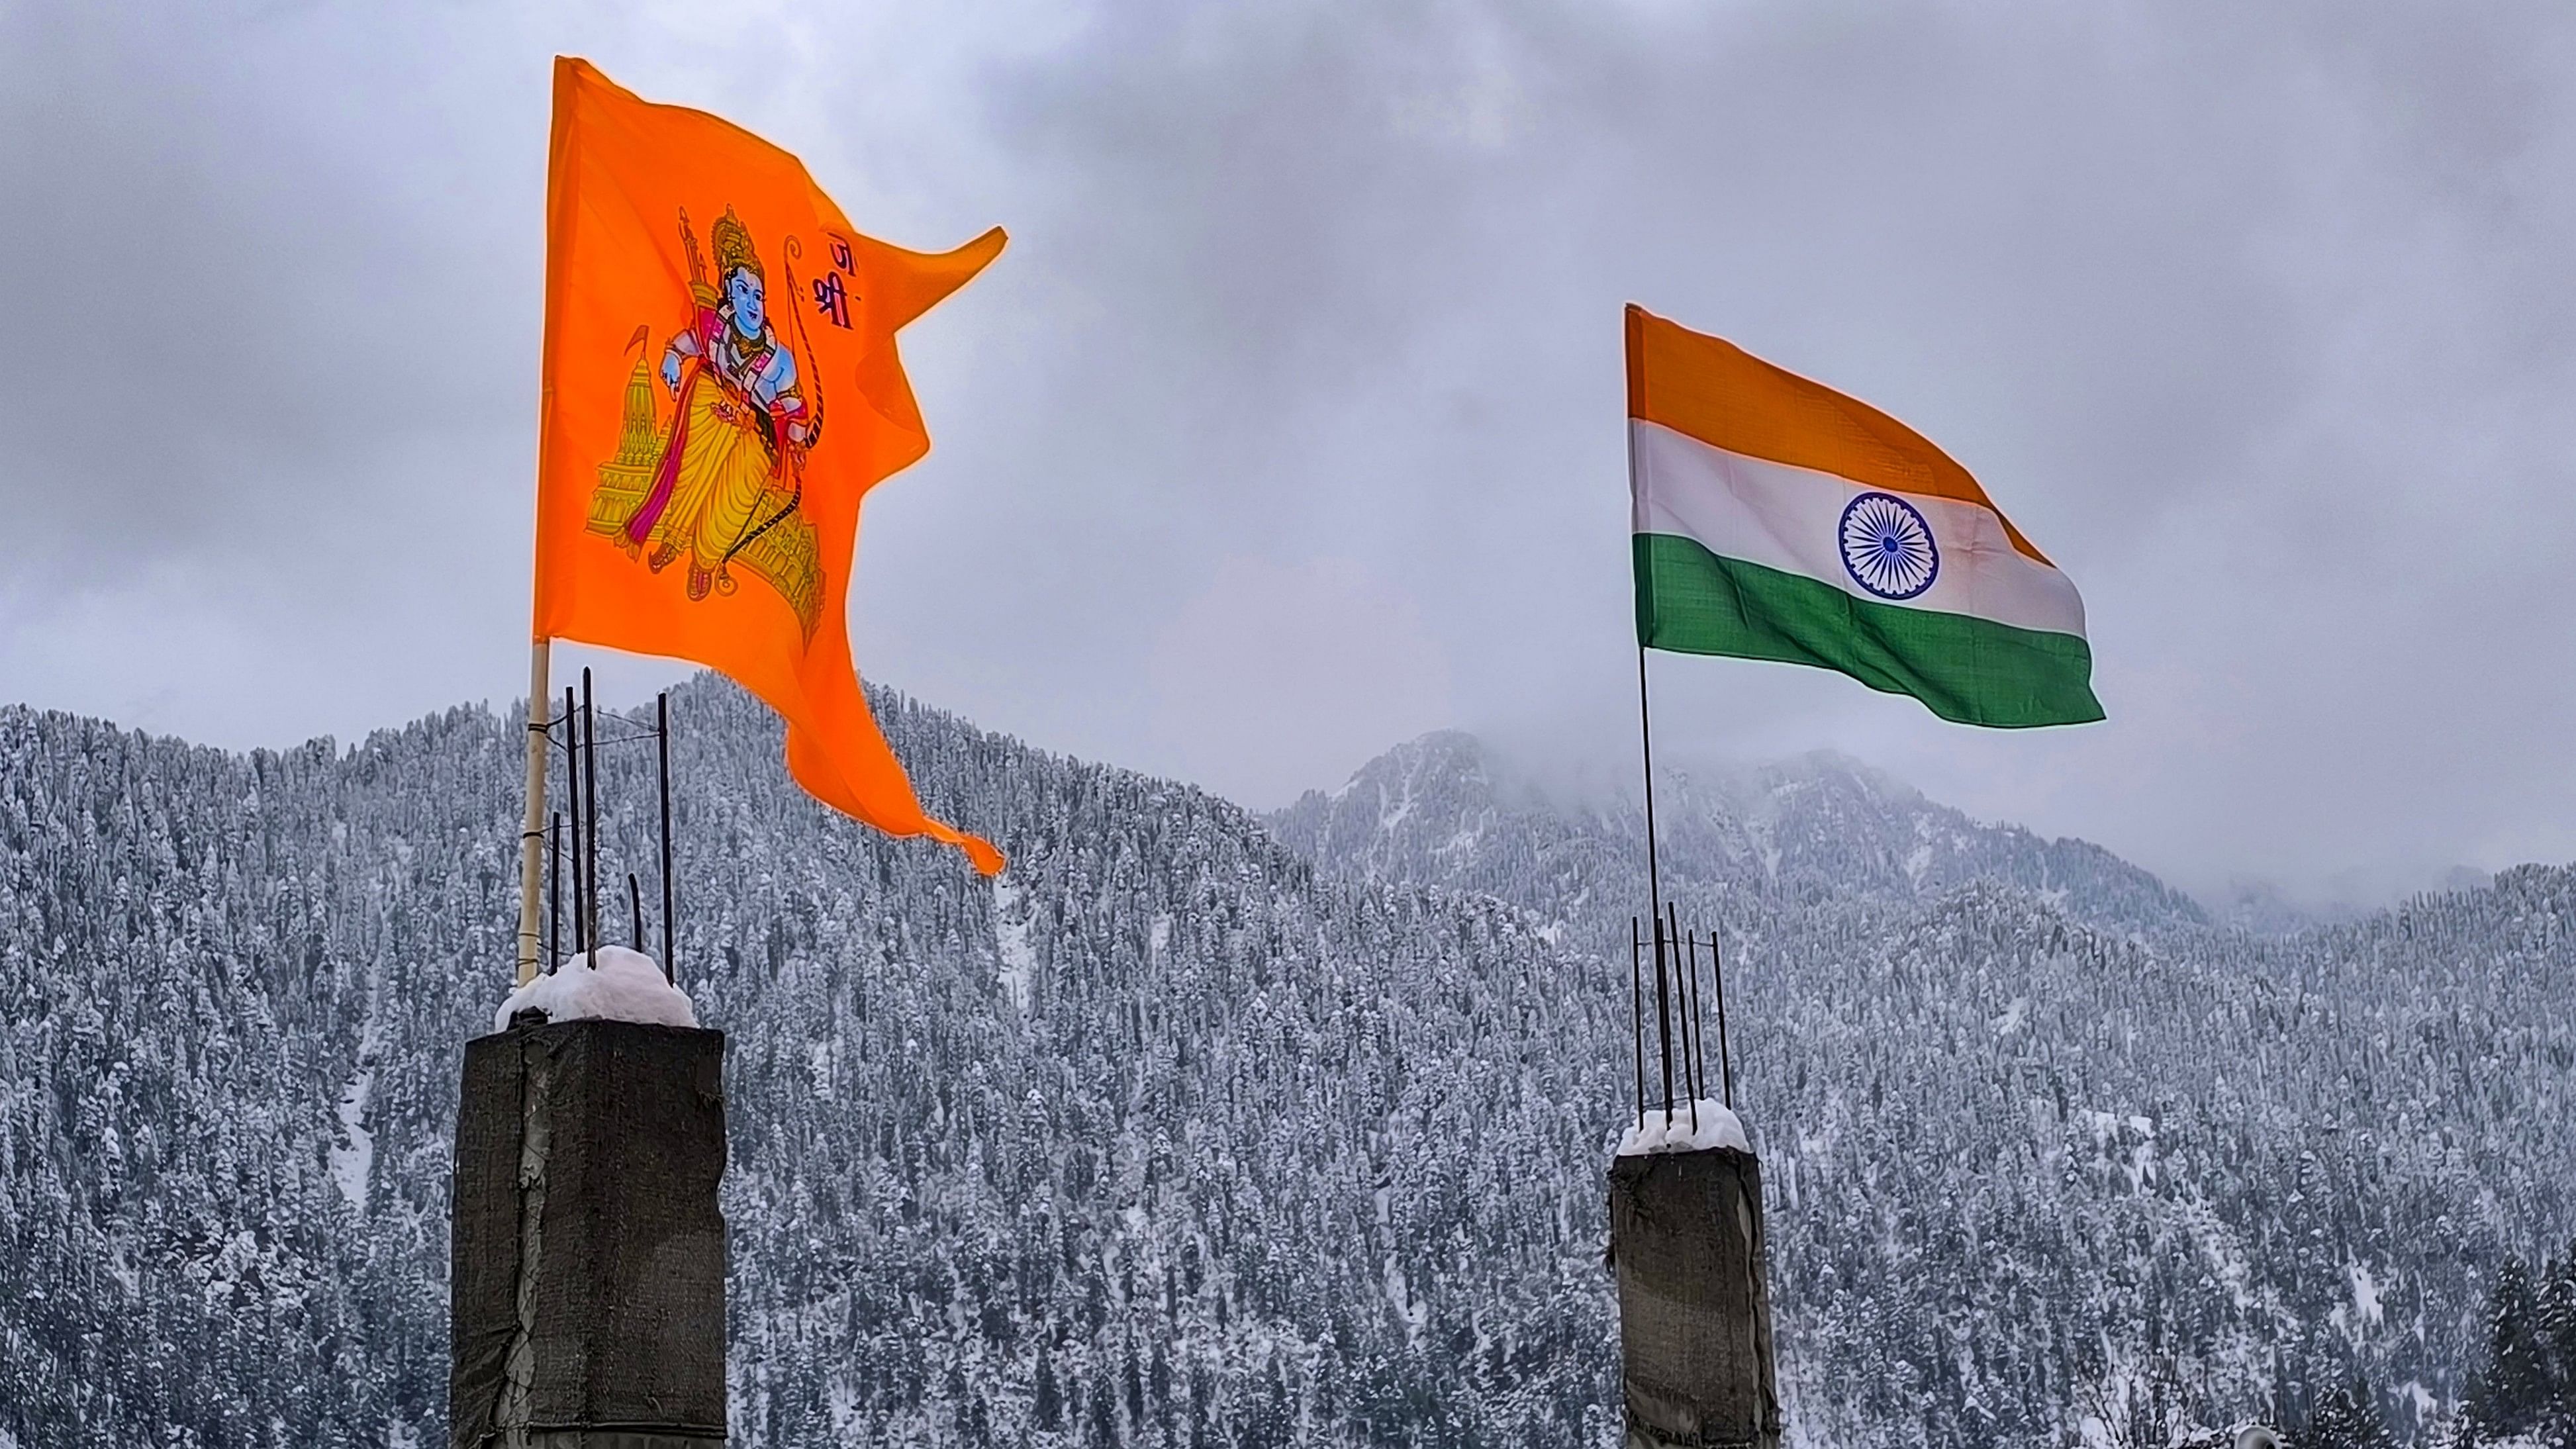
[1204,1128]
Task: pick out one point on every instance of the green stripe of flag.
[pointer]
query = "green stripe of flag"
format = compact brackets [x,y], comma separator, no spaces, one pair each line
[1974,671]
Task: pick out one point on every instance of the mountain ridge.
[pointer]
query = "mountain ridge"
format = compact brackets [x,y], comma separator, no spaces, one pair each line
[1181,1135]
[1437,810]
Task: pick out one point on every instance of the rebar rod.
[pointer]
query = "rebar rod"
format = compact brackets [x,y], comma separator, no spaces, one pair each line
[1663,1022]
[590,804]
[1682,1001]
[572,805]
[1690,1019]
[662,730]
[554,891]
[1725,1058]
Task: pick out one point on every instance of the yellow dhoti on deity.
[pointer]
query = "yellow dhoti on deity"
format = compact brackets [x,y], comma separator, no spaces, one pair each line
[705,488]
[724,471]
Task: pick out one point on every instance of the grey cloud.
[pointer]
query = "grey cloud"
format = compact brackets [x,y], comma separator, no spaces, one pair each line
[237,309]
[2254,316]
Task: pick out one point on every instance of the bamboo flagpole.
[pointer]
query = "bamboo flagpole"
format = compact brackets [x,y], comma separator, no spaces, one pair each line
[532,825]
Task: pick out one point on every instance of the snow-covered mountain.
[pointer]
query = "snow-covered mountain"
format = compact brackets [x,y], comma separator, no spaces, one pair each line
[1200,1129]
[1160,1140]
[1440,810]
[2004,1081]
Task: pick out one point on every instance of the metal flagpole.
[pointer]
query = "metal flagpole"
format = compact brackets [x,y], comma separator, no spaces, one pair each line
[1645,725]
[1646,746]
[1655,887]
[532,824]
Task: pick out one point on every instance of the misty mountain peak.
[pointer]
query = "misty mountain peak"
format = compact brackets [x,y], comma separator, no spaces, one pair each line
[1447,809]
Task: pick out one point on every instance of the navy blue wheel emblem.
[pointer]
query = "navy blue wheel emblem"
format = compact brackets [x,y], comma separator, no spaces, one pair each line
[1887,547]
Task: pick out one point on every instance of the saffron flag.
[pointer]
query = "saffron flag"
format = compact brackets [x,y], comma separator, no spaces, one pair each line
[1774,518]
[720,390]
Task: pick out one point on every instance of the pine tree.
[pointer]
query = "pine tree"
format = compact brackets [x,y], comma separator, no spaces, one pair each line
[1047,1412]
[1159,1380]
[1104,1417]
[2517,1378]
[2347,1419]
[2465,1431]
[2558,1340]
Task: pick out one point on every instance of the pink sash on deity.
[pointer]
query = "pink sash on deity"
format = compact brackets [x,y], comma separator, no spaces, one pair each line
[666,472]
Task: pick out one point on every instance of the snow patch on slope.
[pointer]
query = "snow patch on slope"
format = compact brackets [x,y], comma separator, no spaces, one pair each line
[353,1157]
[1011,943]
[2356,1319]
[1411,1311]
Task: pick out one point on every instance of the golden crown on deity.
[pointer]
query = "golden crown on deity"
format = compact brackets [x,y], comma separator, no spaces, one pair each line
[733,247]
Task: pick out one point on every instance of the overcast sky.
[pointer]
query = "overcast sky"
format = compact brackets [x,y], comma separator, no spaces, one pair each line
[1290,425]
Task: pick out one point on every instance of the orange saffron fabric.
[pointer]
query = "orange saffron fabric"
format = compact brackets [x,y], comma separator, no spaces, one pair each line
[720,391]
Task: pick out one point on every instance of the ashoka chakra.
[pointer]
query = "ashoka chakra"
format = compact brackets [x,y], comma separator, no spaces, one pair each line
[1887,547]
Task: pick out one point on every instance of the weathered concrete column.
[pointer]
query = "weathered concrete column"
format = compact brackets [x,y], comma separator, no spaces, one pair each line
[1694,1297]
[588,1273]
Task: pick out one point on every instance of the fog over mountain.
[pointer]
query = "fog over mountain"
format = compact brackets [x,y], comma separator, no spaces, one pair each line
[1201,1127]
[1289,426]
[1441,809]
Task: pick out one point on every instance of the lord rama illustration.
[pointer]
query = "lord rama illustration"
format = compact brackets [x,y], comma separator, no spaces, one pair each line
[721,487]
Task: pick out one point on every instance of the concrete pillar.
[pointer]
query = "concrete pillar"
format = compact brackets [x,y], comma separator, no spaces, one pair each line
[588,1274]
[1694,1300]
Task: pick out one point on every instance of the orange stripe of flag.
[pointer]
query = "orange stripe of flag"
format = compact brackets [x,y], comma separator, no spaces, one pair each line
[1715,391]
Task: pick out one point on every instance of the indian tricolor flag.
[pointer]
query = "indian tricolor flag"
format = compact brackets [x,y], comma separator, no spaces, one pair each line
[1778,519]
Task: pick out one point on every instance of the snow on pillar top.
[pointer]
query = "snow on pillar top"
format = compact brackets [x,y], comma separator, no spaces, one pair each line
[622,985]
[1718,1127]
